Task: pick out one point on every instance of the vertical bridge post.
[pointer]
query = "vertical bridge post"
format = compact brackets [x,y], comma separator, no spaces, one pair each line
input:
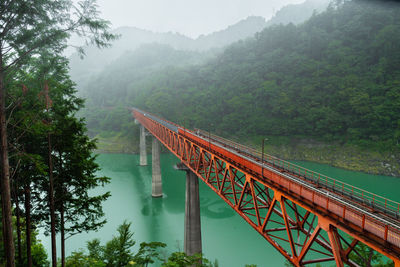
[156,170]
[192,242]
[142,146]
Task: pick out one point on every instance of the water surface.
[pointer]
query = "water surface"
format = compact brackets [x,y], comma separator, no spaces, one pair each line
[225,235]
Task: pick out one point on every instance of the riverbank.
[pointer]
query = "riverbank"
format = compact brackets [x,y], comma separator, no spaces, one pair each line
[349,157]
[116,144]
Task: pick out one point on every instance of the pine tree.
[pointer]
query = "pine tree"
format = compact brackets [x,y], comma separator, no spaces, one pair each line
[26,27]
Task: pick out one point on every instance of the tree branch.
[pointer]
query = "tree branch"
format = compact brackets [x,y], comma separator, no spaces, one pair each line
[7,25]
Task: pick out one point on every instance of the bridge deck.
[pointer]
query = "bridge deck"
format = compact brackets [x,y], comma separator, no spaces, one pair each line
[389,214]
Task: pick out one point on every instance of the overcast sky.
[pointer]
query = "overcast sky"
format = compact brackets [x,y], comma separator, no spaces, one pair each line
[189,17]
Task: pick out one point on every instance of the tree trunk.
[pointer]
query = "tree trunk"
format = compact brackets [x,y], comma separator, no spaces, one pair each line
[61,205]
[52,212]
[28,224]
[5,177]
[62,235]
[18,226]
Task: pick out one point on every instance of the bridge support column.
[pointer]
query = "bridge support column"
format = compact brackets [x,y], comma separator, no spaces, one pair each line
[192,243]
[156,181]
[142,146]
[192,215]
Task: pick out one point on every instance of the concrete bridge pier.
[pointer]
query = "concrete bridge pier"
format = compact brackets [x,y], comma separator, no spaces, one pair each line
[192,243]
[192,215]
[142,146]
[156,170]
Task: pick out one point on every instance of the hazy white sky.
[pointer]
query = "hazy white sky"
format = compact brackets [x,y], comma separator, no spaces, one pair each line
[189,17]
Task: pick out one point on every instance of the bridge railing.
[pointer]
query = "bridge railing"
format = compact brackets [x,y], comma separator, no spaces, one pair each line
[367,198]
[159,118]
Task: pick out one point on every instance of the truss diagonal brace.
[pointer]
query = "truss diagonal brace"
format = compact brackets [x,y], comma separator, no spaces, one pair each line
[281,200]
[334,239]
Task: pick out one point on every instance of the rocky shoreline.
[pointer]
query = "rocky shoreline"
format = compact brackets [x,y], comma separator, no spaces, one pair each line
[347,157]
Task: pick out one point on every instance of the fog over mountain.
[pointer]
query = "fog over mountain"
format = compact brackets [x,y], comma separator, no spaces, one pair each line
[132,38]
[190,18]
[298,13]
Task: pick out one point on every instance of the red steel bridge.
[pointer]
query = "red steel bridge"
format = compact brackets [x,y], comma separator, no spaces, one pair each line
[308,217]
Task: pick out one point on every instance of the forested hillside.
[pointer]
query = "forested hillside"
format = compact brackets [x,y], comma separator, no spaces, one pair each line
[107,92]
[106,87]
[336,77]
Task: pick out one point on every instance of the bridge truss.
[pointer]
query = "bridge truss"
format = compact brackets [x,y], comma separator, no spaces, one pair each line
[309,218]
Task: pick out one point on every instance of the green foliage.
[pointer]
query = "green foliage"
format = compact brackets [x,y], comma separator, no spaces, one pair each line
[366,256]
[28,28]
[74,164]
[147,253]
[39,254]
[117,252]
[180,259]
[95,249]
[80,259]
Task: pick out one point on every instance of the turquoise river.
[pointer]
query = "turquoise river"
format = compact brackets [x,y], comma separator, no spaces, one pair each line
[225,235]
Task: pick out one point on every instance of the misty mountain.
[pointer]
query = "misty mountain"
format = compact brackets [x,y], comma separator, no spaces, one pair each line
[298,13]
[131,38]
[239,31]
[136,66]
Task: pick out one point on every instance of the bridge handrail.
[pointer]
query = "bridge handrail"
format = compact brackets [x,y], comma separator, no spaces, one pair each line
[322,180]
[141,111]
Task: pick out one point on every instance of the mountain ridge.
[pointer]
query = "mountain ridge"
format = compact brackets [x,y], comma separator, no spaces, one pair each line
[132,38]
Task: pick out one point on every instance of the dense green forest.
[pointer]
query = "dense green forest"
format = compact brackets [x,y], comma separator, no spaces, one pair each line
[333,78]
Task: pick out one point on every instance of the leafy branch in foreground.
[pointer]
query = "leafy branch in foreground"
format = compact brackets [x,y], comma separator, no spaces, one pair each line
[118,252]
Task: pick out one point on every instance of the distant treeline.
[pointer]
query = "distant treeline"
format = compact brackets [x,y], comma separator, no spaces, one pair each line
[335,77]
